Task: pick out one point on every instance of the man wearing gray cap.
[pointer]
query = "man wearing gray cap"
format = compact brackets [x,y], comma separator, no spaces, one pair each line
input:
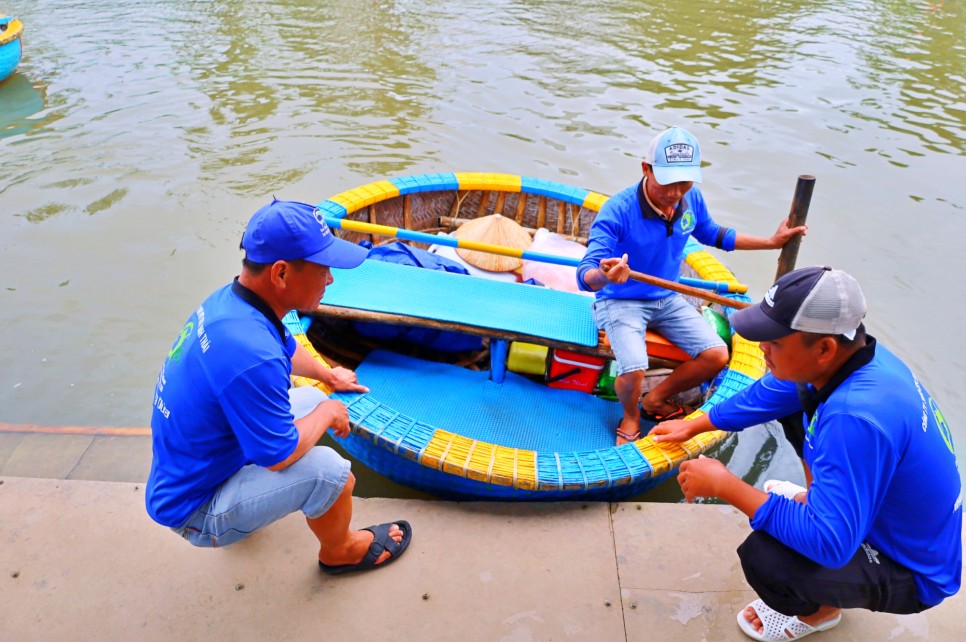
[880,525]
[234,448]
[645,228]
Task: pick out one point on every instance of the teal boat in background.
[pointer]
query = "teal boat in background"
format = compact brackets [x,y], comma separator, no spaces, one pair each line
[11,46]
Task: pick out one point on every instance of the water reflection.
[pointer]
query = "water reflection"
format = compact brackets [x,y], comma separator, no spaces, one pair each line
[19,100]
[161,125]
[351,73]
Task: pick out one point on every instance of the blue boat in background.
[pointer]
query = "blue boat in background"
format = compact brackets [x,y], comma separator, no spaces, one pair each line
[11,47]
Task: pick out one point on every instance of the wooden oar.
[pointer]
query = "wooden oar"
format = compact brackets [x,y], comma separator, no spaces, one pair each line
[697,287]
[685,289]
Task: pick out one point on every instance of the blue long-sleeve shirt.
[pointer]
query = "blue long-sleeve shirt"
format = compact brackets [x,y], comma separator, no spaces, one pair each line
[883,470]
[628,224]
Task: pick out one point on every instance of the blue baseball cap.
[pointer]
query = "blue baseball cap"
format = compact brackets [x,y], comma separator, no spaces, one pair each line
[674,156]
[289,230]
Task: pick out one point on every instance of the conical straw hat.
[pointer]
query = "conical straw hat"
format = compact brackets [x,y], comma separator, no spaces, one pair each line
[494,229]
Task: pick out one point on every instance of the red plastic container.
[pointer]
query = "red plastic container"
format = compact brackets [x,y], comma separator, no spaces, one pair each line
[574,371]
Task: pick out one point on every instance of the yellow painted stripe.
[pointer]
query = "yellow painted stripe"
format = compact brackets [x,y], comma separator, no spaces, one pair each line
[361,197]
[368,228]
[467,244]
[485,180]
[595,201]
[76,430]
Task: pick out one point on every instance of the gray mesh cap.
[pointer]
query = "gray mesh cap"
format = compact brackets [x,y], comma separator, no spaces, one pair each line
[812,299]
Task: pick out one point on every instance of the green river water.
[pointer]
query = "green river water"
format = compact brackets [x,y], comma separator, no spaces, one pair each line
[138,137]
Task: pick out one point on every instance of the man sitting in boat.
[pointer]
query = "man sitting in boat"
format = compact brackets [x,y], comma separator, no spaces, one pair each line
[880,525]
[645,228]
[234,448]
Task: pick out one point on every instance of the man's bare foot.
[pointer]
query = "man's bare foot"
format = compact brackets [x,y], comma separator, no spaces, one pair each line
[357,545]
[817,619]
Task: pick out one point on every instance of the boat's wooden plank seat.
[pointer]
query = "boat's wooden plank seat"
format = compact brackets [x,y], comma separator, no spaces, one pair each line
[391,293]
[480,304]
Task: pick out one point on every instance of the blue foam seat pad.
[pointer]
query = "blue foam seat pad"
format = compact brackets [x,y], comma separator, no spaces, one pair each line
[518,413]
[429,294]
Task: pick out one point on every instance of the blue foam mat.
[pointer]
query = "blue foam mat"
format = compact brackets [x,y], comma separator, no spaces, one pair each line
[379,286]
[518,413]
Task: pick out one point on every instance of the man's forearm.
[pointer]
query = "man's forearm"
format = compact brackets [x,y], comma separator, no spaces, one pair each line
[742,496]
[749,242]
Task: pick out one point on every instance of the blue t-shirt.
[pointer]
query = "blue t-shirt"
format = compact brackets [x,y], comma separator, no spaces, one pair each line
[628,224]
[883,471]
[220,403]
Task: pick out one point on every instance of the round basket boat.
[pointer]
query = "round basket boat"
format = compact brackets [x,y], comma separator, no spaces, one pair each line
[11,45]
[480,432]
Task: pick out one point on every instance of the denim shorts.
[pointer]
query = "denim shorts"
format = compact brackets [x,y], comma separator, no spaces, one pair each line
[626,320]
[255,496]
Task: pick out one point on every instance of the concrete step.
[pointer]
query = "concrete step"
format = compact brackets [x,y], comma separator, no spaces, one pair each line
[82,560]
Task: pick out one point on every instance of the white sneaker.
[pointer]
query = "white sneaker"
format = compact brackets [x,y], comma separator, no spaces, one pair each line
[783,488]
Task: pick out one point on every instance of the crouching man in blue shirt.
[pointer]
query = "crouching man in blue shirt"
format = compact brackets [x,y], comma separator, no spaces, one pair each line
[880,525]
[233,448]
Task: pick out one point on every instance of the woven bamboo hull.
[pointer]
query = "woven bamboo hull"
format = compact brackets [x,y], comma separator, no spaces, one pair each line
[11,46]
[453,466]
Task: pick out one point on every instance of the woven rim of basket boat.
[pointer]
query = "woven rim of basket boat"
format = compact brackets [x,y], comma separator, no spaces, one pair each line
[13,31]
[415,202]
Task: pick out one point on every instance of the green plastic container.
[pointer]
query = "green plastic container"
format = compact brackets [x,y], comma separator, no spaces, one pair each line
[605,385]
[719,323]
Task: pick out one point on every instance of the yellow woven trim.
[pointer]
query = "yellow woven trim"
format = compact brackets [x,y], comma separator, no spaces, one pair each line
[746,357]
[456,458]
[514,467]
[656,457]
[693,447]
[481,461]
[708,267]
[707,439]
[481,180]
[14,31]
[299,382]
[479,466]
[595,201]
[360,197]
[675,453]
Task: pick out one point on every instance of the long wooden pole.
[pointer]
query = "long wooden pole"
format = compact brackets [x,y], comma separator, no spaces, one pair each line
[698,287]
[796,217]
[687,289]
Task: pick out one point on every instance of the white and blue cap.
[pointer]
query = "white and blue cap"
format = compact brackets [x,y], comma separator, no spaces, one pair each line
[674,156]
[289,231]
[813,299]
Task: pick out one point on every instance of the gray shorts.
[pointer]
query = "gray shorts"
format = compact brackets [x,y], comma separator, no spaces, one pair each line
[255,496]
[626,320]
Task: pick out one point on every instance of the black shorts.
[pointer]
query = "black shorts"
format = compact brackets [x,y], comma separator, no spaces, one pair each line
[792,584]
